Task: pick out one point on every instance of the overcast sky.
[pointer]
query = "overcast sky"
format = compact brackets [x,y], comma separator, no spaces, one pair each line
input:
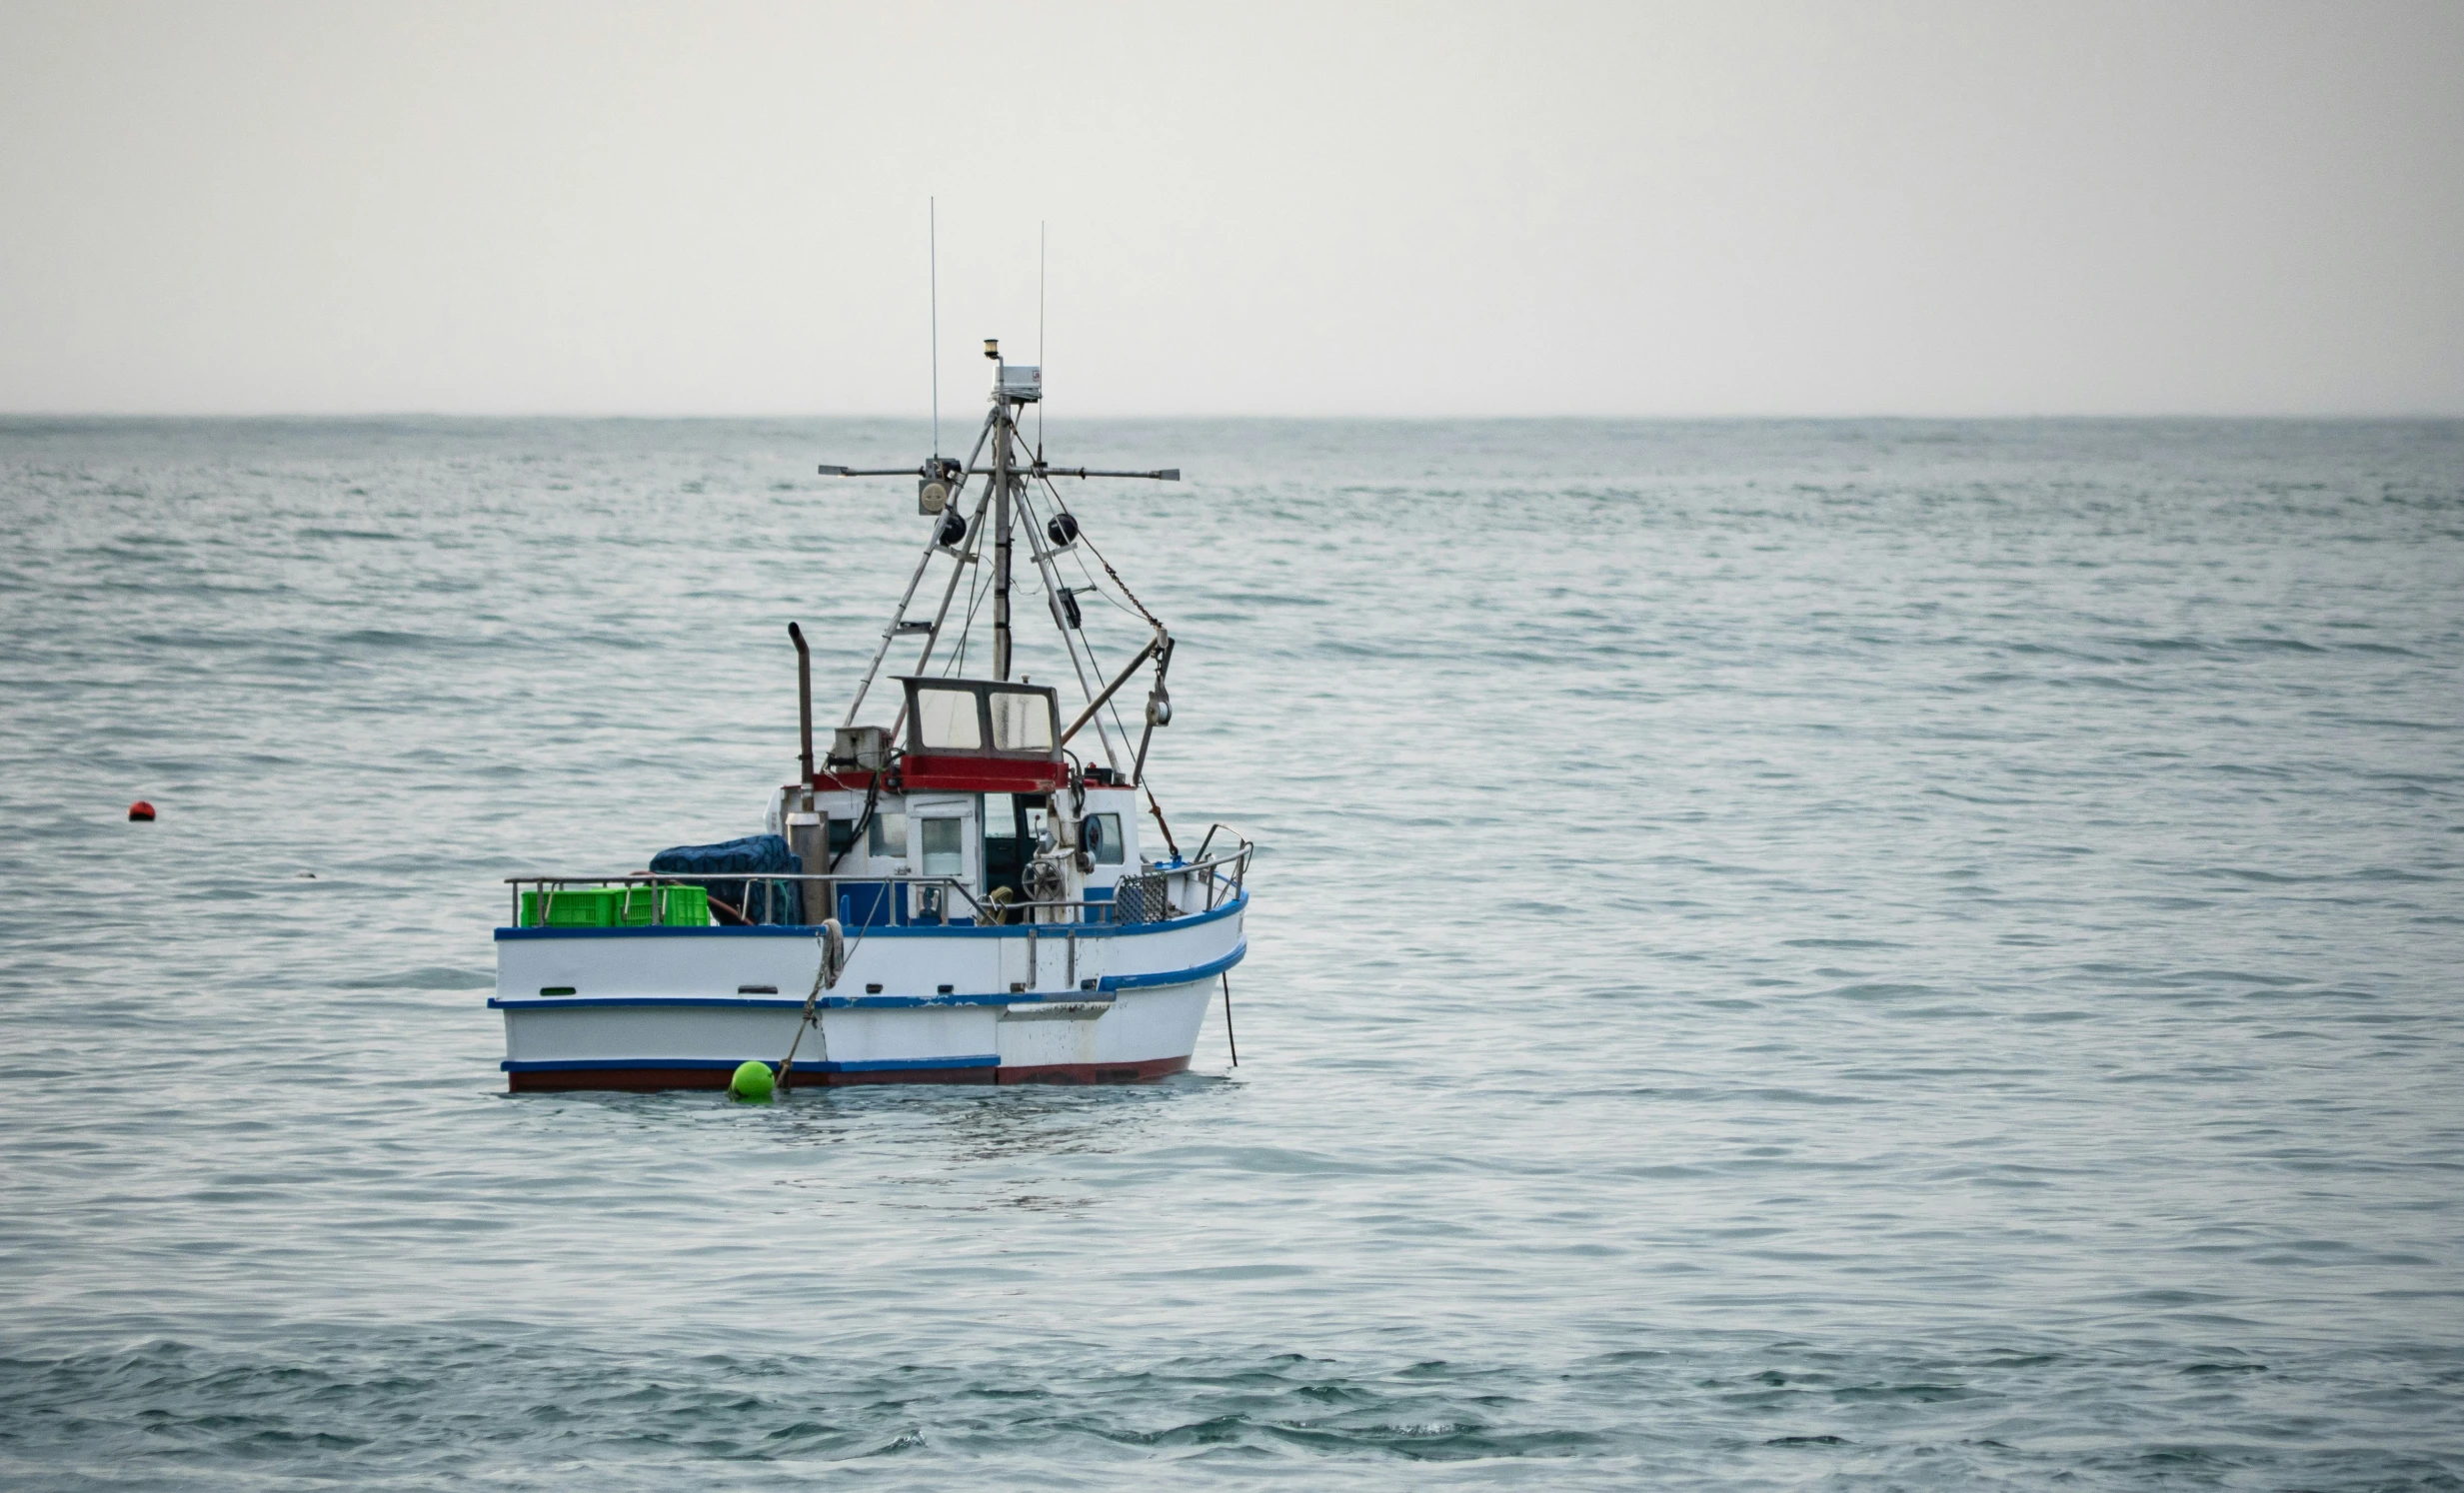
[1313,209]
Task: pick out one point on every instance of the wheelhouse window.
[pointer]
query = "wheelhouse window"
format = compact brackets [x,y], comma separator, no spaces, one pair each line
[946,721]
[1022,722]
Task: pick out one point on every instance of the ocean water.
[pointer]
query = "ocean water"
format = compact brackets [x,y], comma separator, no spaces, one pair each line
[1844,955]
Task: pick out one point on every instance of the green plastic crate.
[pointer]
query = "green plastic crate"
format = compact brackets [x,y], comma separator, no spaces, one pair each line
[619,906]
[570,908]
[678,906]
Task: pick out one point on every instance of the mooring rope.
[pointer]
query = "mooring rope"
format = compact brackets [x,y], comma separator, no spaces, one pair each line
[834,957]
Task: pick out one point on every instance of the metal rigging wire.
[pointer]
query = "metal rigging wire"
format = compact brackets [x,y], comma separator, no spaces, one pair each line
[1153,619]
[1112,705]
[957,666]
[1043,559]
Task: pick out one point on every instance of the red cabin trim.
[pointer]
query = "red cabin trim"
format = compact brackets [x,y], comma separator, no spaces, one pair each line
[981,774]
[949,773]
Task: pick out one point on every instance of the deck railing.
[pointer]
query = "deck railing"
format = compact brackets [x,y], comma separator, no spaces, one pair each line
[1226,873]
[933,899]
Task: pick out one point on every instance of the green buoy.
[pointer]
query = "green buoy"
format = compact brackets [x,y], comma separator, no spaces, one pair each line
[753,1081]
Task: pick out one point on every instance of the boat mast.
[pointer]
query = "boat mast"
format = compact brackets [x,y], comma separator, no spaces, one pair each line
[1000,515]
[942,487]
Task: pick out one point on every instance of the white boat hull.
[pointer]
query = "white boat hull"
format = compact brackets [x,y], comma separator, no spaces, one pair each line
[661,1008]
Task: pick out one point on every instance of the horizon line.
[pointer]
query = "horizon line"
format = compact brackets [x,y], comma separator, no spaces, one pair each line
[1727,417]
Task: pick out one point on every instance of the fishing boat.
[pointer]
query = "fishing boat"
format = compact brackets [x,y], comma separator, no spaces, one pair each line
[960,890]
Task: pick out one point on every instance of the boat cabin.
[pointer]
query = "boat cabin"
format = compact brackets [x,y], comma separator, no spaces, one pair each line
[977,795]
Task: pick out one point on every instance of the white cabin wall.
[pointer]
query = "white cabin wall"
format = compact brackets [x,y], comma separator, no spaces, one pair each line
[1122,803]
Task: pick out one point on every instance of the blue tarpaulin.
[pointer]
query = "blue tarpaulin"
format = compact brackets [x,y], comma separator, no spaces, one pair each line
[757,901]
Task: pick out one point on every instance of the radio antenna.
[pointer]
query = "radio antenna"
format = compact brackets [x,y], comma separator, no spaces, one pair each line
[932,252]
[1039,335]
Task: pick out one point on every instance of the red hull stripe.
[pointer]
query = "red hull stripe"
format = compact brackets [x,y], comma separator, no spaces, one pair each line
[653,1080]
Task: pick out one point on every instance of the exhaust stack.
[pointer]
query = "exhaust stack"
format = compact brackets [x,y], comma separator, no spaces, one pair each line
[803,694]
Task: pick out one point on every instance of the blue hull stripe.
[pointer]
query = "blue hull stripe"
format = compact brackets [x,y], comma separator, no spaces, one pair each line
[1049,930]
[1207,971]
[729,1065]
[764,1002]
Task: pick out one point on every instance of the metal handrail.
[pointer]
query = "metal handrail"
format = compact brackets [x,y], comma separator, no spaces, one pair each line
[1238,859]
[1245,846]
[988,913]
[985,913]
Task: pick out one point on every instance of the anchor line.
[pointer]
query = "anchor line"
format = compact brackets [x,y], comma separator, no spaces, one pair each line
[820,971]
[823,972]
[1227,1024]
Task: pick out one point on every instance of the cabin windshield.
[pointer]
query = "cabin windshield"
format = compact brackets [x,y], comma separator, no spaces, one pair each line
[946,721]
[1022,722]
[982,717]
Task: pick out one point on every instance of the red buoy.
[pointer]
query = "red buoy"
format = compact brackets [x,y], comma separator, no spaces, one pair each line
[141,810]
